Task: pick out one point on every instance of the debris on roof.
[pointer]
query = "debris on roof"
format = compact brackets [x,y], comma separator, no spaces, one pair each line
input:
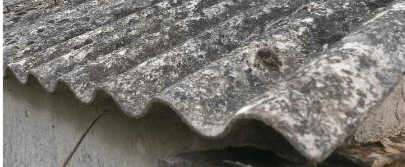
[335,60]
[388,151]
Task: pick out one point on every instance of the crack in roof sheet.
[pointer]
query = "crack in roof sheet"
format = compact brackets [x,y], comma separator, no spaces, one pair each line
[198,57]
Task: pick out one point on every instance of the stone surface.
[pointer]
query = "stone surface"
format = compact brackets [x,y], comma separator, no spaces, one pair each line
[340,60]
[380,140]
[387,120]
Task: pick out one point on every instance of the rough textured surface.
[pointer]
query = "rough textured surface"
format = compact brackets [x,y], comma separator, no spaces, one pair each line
[380,140]
[340,60]
[41,130]
[387,120]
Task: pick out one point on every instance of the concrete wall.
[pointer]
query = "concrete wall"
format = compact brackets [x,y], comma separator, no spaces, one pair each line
[42,129]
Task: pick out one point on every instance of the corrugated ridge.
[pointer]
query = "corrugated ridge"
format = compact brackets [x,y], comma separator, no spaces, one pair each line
[240,54]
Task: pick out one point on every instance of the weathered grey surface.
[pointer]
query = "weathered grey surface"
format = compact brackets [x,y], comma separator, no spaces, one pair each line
[340,60]
[380,139]
[42,129]
[387,120]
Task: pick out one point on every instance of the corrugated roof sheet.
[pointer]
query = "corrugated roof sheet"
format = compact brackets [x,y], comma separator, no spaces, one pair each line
[313,71]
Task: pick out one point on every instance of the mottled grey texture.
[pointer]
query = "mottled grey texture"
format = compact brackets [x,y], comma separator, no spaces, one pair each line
[340,60]
[387,120]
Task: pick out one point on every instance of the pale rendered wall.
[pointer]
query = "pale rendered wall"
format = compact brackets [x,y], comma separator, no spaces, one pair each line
[42,129]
